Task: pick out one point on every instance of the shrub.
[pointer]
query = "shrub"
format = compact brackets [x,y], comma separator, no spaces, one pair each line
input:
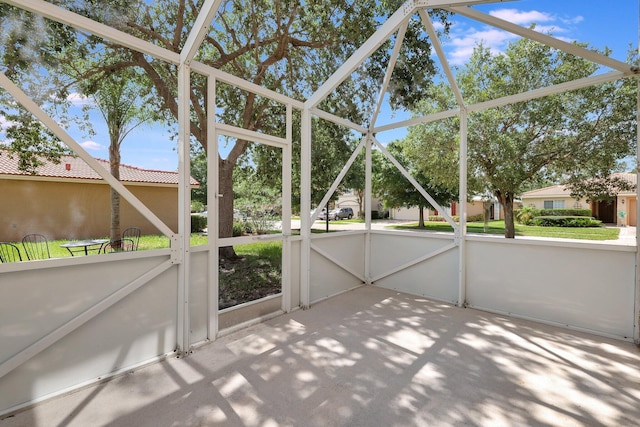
[197,206]
[475,218]
[525,215]
[198,223]
[566,221]
[565,212]
[437,218]
[238,229]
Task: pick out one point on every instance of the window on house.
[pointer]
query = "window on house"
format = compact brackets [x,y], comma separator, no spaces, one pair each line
[554,204]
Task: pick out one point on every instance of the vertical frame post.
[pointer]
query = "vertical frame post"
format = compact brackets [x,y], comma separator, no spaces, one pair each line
[462,201]
[367,210]
[636,310]
[212,211]
[305,208]
[181,242]
[286,213]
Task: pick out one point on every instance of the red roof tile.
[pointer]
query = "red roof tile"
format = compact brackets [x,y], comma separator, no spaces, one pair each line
[75,168]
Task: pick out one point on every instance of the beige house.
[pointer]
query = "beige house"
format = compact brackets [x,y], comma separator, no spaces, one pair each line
[473,207]
[621,211]
[70,200]
[349,199]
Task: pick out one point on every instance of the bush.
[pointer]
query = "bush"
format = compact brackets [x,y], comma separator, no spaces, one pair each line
[566,221]
[565,212]
[476,218]
[437,218]
[198,223]
[197,206]
[238,229]
[525,215]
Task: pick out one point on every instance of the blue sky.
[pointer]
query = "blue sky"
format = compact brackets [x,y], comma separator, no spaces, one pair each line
[151,147]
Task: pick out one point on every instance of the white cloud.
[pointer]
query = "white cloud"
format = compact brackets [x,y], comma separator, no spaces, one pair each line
[465,37]
[4,123]
[462,46]
[91,146]
[78,99]
[521,17]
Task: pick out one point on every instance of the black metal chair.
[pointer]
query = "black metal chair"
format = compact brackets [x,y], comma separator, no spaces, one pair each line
[122,245]
[9,252]
[36,246]
[132,233]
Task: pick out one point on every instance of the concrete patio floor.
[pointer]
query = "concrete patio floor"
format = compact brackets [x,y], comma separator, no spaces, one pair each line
[372,357]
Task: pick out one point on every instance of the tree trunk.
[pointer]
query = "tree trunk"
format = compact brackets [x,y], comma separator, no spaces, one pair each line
[225,214]
[114,162]
[486,208]
[506,200]
[421,217]
[360,197]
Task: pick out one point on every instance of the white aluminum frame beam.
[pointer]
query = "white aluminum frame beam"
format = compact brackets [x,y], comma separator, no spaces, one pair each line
[435,42]
[58,14]
[213,203]
[511,99]
[337,120]
[287,178]
[250,135]
[371,45]
[414,262]
[199,30]
[542,38]
[337,262]
[387,75]
[180,248]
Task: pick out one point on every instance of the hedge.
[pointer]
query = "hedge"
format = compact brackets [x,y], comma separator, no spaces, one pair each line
[565,212]
[566,221]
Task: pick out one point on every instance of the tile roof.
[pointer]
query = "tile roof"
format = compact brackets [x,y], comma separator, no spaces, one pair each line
[552,191]
[72,167]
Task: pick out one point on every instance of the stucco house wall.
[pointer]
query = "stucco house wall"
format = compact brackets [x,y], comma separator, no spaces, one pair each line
[70,201]
[61,210]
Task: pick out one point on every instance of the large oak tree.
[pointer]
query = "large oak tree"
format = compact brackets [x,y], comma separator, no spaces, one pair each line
[564,138]
[289,46]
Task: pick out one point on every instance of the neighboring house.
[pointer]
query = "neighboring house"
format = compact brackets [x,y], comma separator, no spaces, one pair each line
[622,211]
[474,207]
[349,199]
[70,200]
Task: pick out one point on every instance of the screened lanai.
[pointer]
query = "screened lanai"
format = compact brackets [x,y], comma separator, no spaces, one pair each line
[369,326]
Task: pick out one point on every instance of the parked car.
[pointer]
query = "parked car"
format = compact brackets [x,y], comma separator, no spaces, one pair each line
[341,213]
[323,214]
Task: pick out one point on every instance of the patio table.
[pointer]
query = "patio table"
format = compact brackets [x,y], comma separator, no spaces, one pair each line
[84,245]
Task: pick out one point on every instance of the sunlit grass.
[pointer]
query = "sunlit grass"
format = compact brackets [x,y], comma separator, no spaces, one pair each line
[497,227]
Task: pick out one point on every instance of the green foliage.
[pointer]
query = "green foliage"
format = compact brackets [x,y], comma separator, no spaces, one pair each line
[526,214]
[396,191]
[196,206]
[578,133]
[198,223]
[565,212]
[239,228]
[497,227]
[566,221]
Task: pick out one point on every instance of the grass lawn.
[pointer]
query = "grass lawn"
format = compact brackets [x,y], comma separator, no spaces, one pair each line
[497,227]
